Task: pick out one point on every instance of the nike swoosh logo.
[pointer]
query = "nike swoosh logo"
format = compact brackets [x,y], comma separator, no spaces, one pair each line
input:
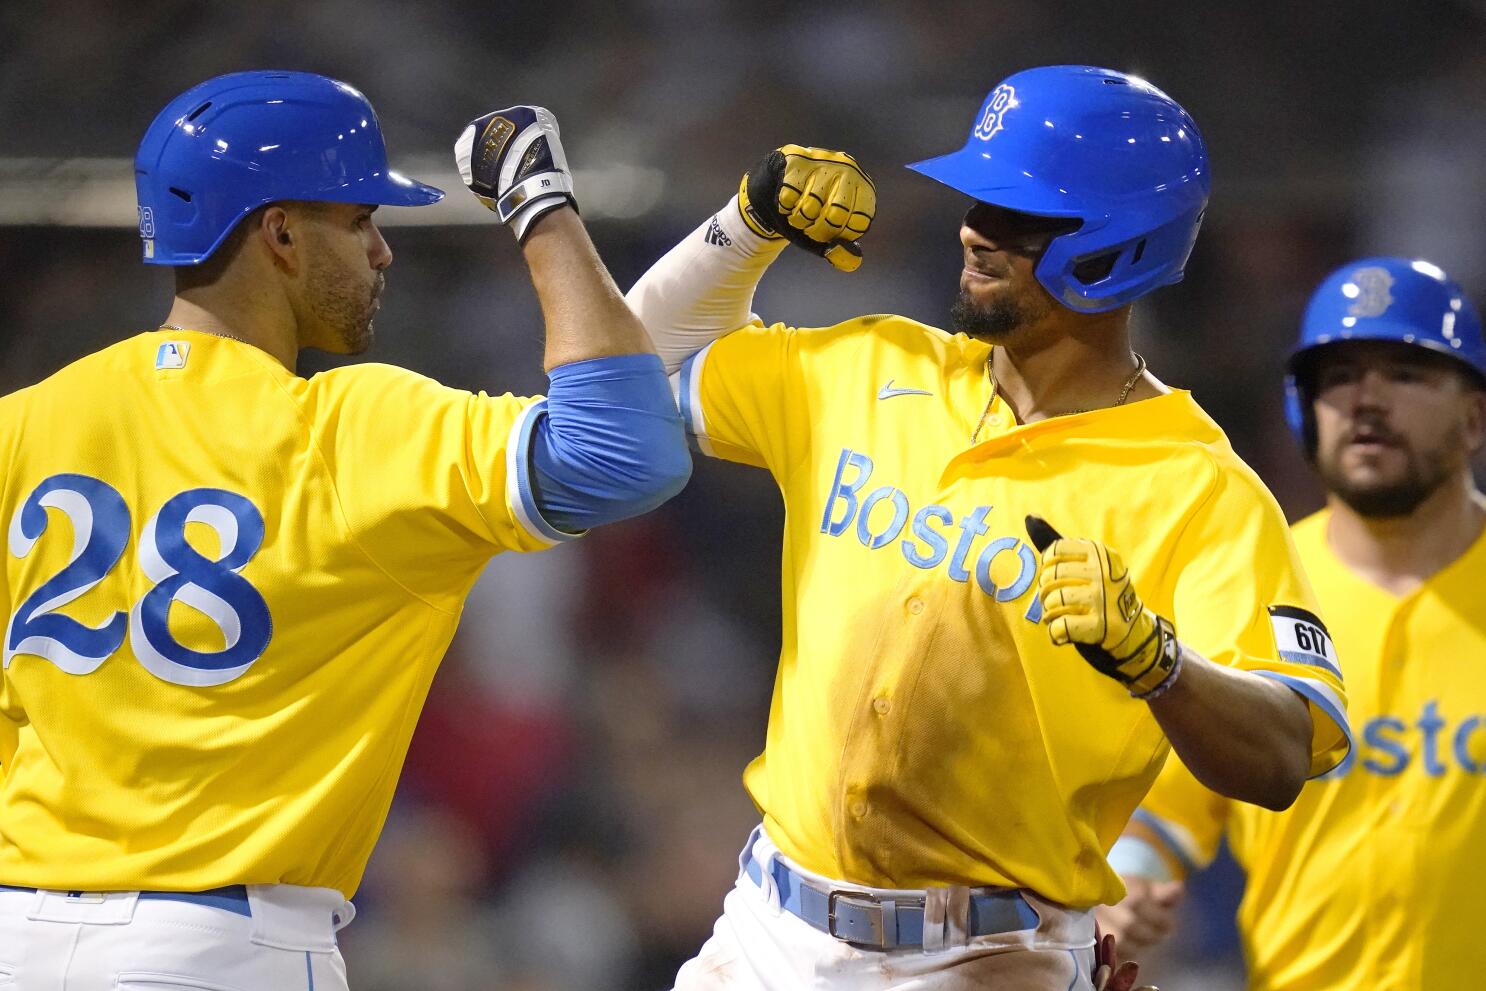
[888,392]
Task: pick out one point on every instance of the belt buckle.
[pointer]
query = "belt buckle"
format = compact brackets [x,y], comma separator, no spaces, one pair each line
[870,903]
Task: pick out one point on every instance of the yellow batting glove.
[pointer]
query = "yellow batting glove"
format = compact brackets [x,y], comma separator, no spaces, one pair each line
[1089,600]
[820,200]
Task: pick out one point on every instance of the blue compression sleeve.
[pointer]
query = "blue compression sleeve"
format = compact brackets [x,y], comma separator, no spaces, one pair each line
[611,444]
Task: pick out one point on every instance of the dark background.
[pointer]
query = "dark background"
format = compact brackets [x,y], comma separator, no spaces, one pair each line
[571,809]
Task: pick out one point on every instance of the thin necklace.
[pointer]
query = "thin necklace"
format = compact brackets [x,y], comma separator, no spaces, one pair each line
[1124,393]
[214,333]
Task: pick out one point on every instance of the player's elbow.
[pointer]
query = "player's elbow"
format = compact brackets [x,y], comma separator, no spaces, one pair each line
[1281,770]
[1281,791]
[1290,762]
[1273,786]
[612,444]
[1268,769]
[663,471]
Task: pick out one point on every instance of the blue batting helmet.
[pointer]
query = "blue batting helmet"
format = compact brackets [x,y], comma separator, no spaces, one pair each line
[1407,300]
[1100,146]
[226,147]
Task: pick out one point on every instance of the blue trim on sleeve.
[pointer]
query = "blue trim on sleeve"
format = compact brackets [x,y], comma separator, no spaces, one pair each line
[689,399]
[1164,833]
[524,496]
[1323,698]
[684,394]
[1310,661]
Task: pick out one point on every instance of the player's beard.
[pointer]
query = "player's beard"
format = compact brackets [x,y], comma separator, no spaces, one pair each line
[343,306]
[1424,473]
[993,321]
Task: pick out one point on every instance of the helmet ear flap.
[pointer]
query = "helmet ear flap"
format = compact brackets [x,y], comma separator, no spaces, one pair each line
[1300,412]
[1097,268]
[1120,266]
[1307,433]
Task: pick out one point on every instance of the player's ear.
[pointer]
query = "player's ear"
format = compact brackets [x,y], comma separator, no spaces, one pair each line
[276,232]
[1474,419]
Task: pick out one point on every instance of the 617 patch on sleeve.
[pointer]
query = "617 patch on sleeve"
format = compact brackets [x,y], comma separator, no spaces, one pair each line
[1302,638]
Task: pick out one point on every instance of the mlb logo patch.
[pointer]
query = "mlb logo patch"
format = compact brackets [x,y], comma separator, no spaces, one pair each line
[172,354]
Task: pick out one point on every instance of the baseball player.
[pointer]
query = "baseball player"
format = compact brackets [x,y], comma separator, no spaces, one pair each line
[1373,878]
[943,773]
[228,587]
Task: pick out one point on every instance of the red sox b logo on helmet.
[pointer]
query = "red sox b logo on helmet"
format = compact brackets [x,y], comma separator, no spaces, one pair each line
[1369,288]
[1003,98]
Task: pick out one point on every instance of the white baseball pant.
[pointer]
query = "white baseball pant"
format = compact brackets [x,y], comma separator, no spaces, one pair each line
[758,946]
[277,938]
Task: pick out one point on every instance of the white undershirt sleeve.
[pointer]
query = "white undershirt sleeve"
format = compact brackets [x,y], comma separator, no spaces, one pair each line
[703,288]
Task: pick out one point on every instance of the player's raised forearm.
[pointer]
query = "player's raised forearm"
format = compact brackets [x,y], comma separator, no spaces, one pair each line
[1242,735]
[816,199]
[512,160]
[585,313]
[703,287]
[610,444]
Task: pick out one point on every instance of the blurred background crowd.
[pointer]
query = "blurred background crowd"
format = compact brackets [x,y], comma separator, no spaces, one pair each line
[571,809]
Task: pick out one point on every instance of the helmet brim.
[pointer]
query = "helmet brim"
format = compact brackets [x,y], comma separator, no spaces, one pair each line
[980,176]
[1378,330]
[395,189]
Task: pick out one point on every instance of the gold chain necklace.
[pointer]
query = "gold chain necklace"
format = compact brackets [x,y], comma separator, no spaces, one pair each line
[214,333]
[991,374]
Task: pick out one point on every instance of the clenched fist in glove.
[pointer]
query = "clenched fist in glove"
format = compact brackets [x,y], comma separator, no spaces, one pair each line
[1089,600]
[513,162]
[820,200]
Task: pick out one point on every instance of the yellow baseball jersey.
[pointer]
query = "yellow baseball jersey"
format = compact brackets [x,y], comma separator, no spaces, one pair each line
[1373,879]
[924,730]
[228,588]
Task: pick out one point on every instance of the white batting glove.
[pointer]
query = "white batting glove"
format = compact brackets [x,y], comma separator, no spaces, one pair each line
[512,160]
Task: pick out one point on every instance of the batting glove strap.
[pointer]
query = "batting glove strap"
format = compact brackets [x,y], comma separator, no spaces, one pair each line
[762,220]
[817,199]
[513,161]
[1168,668]
[1150,663]
[545,190]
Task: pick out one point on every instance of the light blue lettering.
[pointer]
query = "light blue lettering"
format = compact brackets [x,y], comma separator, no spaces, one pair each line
[846,493]
[895,525]
[1431,724]
[1023,576]
[1372,733]
[938,545]
[972,526]
[928,544]
[1463,745]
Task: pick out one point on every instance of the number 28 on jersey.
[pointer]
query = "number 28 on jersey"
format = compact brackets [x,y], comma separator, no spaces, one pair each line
[101,527]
